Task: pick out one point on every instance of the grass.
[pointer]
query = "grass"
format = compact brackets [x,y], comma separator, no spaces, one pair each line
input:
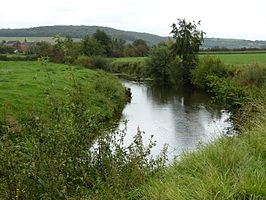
[27,86]
[231,168]
[231,59]
[129,59]
[242,59]
[63,156]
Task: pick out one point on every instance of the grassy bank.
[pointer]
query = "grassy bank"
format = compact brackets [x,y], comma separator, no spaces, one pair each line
[29,87]
[52,144]
[231,168]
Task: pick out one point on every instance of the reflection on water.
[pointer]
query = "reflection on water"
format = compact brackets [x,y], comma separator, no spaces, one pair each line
[183,119]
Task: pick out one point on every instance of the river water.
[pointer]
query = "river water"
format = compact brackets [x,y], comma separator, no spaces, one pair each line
[184,119]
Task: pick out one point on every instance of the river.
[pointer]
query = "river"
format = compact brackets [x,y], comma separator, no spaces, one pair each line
[184,119]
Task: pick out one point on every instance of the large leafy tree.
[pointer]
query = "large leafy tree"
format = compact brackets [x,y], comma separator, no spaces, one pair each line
[104,40]
[188,39]
[91,47]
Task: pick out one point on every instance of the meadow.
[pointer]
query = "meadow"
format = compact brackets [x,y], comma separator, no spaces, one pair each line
[241,58]
[227,58]
[27,87]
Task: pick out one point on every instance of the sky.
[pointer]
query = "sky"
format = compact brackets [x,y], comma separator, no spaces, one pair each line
[241,19]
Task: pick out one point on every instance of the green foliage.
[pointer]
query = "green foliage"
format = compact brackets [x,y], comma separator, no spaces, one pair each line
[94,62]
[159,63]
[231,168]
[118,46]
[138,48]
[91,47]
[42,49]
[6,49]
[18,57]
[65,50]
[135,67]
[252,75]
[187,43]
[164,67]
[57,157]
[208,66]
[99,62]
[104,40]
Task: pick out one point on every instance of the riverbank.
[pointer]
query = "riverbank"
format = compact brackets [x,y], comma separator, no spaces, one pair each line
[50,117]
[32,88]
[230,168]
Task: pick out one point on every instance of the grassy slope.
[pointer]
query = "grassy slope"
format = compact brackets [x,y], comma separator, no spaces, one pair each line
[231,168]
[26,86]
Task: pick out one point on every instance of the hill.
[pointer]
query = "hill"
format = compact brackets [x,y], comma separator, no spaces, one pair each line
[79,32]
[129,36]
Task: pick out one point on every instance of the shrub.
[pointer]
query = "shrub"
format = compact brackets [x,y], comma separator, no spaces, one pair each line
[253,75]
[99,62]
[159,64]
[94,62]
[83,61]
[209,66]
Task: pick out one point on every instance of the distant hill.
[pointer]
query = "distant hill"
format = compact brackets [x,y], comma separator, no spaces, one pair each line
[79,32]
[130,36]
[233,43]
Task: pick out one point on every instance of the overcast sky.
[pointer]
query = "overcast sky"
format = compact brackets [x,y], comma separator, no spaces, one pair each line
[243,19]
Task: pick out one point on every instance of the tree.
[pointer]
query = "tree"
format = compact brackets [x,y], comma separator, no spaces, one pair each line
[104,40]
[118,46]
[139,42]
[140,47]
[91,47]
[159,63]
[188,39]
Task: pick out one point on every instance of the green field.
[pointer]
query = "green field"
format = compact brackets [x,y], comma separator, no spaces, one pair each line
[27,86]
[232,59]
[129,59]
[241,59]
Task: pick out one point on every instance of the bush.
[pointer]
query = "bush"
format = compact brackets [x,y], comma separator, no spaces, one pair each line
[137,69]
[209,66]
[159,64]
[59,158]
[253,75]
[95,62]
[15,57]
[99,62]
[83,61]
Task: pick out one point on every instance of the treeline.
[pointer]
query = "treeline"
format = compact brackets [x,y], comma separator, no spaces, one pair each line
[228,50]
[66,50]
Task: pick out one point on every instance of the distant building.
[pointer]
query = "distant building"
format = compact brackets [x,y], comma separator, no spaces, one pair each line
[19,46]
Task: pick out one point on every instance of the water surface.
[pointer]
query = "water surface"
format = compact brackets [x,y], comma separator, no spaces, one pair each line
[183,119]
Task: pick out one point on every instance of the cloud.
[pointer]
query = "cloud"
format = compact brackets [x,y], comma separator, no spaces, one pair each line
[227,18]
